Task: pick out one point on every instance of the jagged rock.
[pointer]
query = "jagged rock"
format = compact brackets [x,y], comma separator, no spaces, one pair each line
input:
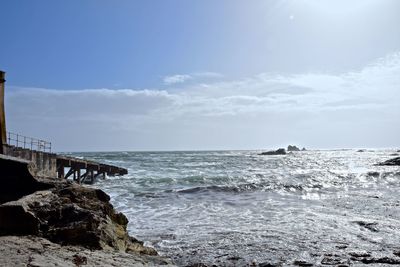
[373,174]
[303,149]
[391,162]
[373,226]
[360,254]
[293,148]
[361,150]
[268,264]
[70,215]
[62,212]
[280,151]
[302,263]
[40,252]
[379,260]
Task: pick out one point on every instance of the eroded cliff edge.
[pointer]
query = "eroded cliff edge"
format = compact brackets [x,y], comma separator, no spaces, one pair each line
[45,222]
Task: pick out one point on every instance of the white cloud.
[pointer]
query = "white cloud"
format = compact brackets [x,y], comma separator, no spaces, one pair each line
[178,78]
[258,111]
[207,74]
[196,76]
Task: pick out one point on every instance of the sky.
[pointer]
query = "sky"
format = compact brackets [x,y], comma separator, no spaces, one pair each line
[97,75]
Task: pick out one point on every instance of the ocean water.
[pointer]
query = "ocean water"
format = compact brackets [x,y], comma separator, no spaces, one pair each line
[237,208]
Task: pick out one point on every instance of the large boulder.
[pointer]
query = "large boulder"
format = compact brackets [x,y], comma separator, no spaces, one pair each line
[70,215]
[60,211]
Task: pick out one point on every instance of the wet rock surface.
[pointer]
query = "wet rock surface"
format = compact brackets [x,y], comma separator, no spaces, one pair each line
[390,162]
[280,151]
[293,148]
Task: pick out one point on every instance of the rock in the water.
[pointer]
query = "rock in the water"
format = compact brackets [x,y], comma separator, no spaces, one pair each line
[381,260]
[280,151]
[391,162]
[293,148]
[268,264]
[361,150]
[302,263]
[373,226]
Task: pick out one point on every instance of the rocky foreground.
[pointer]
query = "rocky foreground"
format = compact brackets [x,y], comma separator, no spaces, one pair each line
[36,251]
[48,222]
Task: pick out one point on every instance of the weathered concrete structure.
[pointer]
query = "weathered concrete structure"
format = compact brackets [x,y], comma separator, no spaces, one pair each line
[43,164]
[16,179]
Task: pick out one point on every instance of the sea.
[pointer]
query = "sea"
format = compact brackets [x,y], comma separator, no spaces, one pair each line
[239,208]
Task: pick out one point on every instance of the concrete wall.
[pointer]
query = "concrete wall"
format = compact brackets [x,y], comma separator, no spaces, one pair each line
[44,164]
[16,180]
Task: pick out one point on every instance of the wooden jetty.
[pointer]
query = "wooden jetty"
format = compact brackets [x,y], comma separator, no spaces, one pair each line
[85,171]
[44,162]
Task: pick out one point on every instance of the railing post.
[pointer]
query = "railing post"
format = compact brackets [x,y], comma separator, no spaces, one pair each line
[26,142]
[3,131]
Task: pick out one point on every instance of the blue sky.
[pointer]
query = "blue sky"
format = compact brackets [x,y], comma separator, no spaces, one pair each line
[175,74]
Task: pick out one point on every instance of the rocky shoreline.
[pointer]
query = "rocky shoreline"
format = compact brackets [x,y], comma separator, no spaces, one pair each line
[48,222]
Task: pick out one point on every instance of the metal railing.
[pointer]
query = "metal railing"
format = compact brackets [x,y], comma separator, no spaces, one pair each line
[26,142]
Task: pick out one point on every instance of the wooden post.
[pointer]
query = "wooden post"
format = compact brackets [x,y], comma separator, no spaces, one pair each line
[61,172]
[78,173]
[92,176]
[3,132]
